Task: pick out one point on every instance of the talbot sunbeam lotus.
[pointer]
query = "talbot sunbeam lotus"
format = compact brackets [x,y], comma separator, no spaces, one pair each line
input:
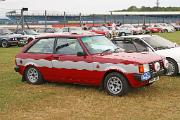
[87,59]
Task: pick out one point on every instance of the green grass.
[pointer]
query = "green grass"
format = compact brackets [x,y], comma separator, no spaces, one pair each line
[174,37]
[19,101]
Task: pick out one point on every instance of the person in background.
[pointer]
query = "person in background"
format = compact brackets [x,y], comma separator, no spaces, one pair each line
[113,29]
[118,24]
[84,27]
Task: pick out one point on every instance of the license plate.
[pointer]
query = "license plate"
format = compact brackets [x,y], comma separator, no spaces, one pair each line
[154,79]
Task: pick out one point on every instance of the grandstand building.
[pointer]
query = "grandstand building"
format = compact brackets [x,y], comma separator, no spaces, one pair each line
[122,17]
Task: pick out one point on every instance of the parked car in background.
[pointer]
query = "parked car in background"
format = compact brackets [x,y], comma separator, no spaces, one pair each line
[88,60]
[72,30]
[177,27]
[69,30]
[8,38]
[164,27]
[29,34]
[153,29]
[45,30]
[136,30]
[123,31]
[102,30]
[153,44]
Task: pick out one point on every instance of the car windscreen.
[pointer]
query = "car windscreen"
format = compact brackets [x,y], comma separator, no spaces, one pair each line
[6,31]
[98,44]
[159,43]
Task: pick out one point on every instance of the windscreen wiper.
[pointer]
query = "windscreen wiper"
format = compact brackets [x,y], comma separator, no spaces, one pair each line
[105,51]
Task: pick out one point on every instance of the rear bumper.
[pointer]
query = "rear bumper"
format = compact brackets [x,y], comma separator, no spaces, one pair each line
[138,77]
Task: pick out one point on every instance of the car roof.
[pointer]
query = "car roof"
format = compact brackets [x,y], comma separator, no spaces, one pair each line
[73,35]
[130,36]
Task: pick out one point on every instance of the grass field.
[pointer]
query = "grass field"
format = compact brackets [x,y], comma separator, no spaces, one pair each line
[21,101]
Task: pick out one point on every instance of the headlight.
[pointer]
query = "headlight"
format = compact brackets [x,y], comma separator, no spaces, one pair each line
[166,63]
[157,66]
[144,68]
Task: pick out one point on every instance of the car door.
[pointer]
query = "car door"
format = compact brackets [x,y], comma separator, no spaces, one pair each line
[68,65]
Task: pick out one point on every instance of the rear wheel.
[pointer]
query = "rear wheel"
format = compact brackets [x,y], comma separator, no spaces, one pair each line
[116,84]
[5,44]
[33,76]
[173,68]
[123,34]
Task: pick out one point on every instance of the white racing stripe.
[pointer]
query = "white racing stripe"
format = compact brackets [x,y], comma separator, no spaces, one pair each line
[80,65]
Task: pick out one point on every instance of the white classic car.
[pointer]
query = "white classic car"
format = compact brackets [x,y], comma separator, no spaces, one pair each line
[155,44]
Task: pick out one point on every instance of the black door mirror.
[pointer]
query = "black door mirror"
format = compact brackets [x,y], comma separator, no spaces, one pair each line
[81,54]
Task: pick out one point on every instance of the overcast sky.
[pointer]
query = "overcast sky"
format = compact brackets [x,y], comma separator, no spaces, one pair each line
[85,6]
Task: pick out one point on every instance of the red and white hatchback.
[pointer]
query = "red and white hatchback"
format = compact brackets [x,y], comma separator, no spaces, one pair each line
[87,59]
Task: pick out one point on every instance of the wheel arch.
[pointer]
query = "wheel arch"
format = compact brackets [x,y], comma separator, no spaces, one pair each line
[174,61]
[111,71]
[26,67]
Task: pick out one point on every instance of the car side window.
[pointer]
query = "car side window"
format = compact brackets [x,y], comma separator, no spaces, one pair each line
[43,46]
[127,45]
[20,32]
[140,45]
[68,46]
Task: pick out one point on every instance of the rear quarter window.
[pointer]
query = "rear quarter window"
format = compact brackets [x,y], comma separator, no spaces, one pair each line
[42,46]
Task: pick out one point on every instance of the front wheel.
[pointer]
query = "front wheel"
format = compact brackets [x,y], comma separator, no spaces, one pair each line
[173,68]
[33,76]
[5,44]
[116,84]
[108,35]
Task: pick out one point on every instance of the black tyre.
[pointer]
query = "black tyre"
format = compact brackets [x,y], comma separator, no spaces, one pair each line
[109,35]
[173,68]
[122,34]
[5,44]
[33,76]
[116,84]
[149,84]
[165,30]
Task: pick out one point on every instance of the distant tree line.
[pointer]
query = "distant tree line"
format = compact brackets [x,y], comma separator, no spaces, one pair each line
[148,9]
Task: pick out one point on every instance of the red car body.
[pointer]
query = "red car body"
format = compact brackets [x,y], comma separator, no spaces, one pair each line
[97,30]
[154,29]
[89,69]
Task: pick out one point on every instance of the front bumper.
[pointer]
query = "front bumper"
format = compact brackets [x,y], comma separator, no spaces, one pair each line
[12,42]
[23,42]
[153,75]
